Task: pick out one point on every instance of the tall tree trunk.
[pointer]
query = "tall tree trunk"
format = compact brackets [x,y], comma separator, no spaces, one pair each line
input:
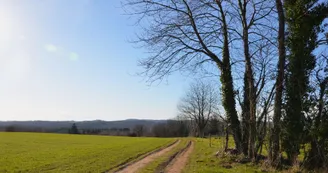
[252,109]
[251,96]
[250,81]
[275,144]
[228,95]
[245,116]
[228,102]
[226,146]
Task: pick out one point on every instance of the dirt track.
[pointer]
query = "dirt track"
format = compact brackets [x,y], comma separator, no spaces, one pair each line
[136,166]
[177,164]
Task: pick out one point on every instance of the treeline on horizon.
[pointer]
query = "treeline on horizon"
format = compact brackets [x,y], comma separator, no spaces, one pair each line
[169,128]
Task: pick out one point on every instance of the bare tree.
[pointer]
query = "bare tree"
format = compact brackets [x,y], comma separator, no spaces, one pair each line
[190,35]
[199,105]
[251,30]
[186,35]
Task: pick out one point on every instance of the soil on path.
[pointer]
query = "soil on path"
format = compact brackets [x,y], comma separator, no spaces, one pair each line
[177,164]
[136,166]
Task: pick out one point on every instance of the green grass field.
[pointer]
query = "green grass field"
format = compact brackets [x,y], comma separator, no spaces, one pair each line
[40,152]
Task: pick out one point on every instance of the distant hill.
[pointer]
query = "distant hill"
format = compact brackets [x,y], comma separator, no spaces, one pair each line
[96,124]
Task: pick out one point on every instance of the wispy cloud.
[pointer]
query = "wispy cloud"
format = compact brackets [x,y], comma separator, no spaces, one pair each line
[73,56]
[60,51]
[50,48]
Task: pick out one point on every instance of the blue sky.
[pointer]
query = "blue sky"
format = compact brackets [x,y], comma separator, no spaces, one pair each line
[71,60]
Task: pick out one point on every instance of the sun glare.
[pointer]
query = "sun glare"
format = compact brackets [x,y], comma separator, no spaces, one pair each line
[14,60]
[6,27]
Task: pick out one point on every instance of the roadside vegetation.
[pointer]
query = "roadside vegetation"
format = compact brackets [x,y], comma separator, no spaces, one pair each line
[209,156]
[213,159]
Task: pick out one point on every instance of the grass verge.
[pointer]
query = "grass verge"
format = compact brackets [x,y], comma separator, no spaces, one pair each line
[203,159]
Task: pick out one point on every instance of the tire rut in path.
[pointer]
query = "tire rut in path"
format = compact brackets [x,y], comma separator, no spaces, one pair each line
[178,163]
[136,166]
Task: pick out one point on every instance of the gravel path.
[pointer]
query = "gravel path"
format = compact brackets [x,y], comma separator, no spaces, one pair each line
[136,166]
[177,165]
